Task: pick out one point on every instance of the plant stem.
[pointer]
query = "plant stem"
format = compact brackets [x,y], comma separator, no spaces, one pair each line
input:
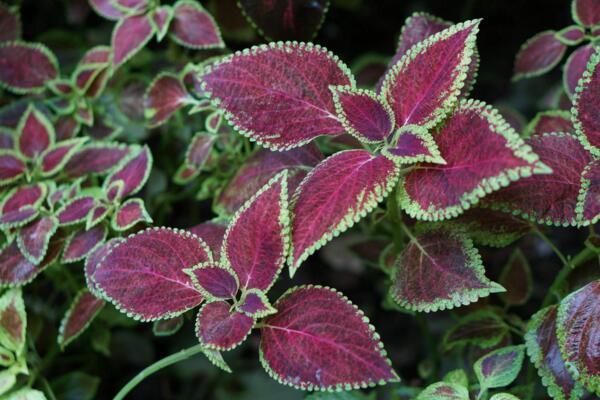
[157,366]
[553,247]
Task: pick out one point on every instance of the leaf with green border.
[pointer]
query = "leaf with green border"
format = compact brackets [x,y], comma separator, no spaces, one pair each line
[26,67]
[13,321]
[167,327]
[444,391]
[35,133]
[33,239]
[129,214]
[483,328]
[412,144]
[500,367]
[82,311]
[538,55]
[490,227]
[583,113]
[255,303]
[549,122]
[219,327]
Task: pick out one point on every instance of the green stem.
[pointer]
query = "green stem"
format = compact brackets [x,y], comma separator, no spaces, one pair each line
[553,247]
[157,366]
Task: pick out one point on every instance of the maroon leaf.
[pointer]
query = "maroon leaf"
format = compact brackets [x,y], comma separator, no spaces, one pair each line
[571,35]
[256,304]
[440,269]
[165,95]
[129,36]
[10,23]
[422,95]
[549,199]
[33,239]
[285,19]
[97,215]
[79,316]
[198,151]
[219,328]
[549,122]
[35,133]
[213,121]
[255,243]
[543,350]
[577,328]
[96,158]
[194,27]
[575,67]
[412,144]
[129,214]
[492,228]
[167,327]
[584,115]
[272,105]
[30,195]
[134,172]
[93,260]
[482,154]
[106,9]
[318,340]
[55,157]
[212,233]
[538,55]
[586,12]
[363,114]
[66,127]
[588,204]
[82,243]
[13,322]
[152,285]
[76,210]
[26,67]
[336,194]
[12,167]
[20,217]
[161,20]
[214,281]
[516,279]
[261,167]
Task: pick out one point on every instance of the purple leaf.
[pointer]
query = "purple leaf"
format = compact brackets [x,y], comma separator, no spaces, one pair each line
[97,215]
[586,12]
[26,67]
[412,144]
[165,95]
[66,127]
[55,158]
[516,279]
[588,203]
[132,6]
[134,172]
[575,67]
[363,113]
[161,20]
[152,285]
[30,195]
[218,328]
[79,316]
[35,133]
[285,19]
[129,214]
[543,350]
[584,112]
[278,107]
[82,243]
[422,95]
[93,260]
[500,367]
[194,27]
[96,158]
[167,327]
[215,282]
[256,304]
[492,228]
[17,218]
[212,233]
[482,154]
[13,321]
[256,240]
[10,23]
[261,167]
[448,274]
[549,122]
[129,36]
[549,199]
[577,328]
[12,167]
[571,35]
[318,340]
[7,141]
[33,239]
[198,151]
[339,192]
[106,9]
[76,210]
[538,55]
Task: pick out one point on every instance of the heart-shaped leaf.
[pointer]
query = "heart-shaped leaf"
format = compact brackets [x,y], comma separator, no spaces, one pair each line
[574,68]
[152,285]
[538,55]
[56,157]
[214,281]
[133,171]
[482,154]
[26,67]
[194,27]
[412,144]
[584,115]
[516,279]
[492,228]
[364,114]
[76,210]
[212,232]
[444,391]
[339,192]
[167,327]
[440,269]
[129,214]
[550,122]
[577,328]
[483,329]
[261,167]
[425,83]
[35,133]
[549,199]
[107,9]
[34,238]
[255,304]
[272,105]
[500,367]
[542,347]
[82,243]
[129,36]
[79,316]
[96,158]
[13,321]
[285,19]
[12,166]
[219,328]
[161,20]
[256,241]
[586,12]
[318,340]
[165,95]
[10,23]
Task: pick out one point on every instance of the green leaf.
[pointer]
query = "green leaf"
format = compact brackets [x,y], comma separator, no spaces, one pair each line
[483,328]
[500,367]
[504,396]
[457,376]
[13,321]
[26,394]
[76,386]
[444,391]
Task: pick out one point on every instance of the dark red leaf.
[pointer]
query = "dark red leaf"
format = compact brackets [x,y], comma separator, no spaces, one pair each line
[76,210]
[538,55]
[586,12]
[574,68]
[256,304]
[483,329]
[550,122]
[79,316]
[93,260]
[13,322]
[35,133]
[96,158]
[491,227]
[516,279]
[82,243]
[212,232]
[214,281]
[167,327]
[26,67]
[194,27]
[199,150]
[161,20]
[219,328]
[129,214]
[29,195]
[33,239]
[106,9]
[584,113]
[412,144]
[165,95]
[10,23]
[134,172]
[129,36]
[66,127]
[12,167]
[54,159]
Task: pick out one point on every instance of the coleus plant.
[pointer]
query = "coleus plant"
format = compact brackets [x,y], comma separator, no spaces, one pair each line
[175,271]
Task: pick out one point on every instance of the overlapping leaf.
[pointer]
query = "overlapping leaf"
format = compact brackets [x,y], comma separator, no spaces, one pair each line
[500,367]
[550,122]
[26,67]
[13,321]
[575,67]
[34,238]
[584,115]
[444,391]
[538,55]
[586,12]
[220,328]
[193,27]
[129,36]
[165,95]
[82,243]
